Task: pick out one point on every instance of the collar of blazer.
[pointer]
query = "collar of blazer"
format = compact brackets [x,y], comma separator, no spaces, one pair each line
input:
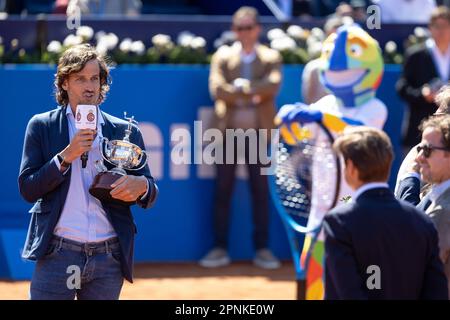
[441,203]
[234,58]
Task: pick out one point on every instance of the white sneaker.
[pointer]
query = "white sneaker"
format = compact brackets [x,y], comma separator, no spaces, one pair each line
[266,260]
[215,258]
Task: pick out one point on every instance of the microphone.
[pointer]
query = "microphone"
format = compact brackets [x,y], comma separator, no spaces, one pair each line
[85,118]
[84,158]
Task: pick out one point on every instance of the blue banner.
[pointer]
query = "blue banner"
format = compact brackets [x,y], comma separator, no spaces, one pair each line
[162,98]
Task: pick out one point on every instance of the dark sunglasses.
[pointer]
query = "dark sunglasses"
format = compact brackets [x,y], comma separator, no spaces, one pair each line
[428,149]
[244,28]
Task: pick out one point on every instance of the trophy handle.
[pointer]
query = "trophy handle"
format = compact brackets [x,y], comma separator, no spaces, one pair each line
[102,150]
[142,155]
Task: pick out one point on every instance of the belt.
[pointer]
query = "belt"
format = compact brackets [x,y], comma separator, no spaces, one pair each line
[90,248]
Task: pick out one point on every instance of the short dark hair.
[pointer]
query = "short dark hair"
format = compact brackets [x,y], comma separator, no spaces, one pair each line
[74,60]
[441,12]
[440,123]
[369,149]
[246,12]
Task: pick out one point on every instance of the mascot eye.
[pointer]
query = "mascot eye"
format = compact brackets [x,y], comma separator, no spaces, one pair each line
[356,50]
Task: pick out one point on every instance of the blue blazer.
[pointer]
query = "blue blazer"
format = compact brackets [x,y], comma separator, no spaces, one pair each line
[409,190]
[41,183]
[379,230]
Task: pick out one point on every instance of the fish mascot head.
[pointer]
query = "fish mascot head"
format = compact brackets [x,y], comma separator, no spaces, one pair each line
[353,65]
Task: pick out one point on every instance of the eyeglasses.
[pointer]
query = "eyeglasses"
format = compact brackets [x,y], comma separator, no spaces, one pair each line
[428,149]
[244,28]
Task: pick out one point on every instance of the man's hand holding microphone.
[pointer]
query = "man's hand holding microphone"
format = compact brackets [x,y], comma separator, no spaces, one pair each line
[80,144]
[86,123]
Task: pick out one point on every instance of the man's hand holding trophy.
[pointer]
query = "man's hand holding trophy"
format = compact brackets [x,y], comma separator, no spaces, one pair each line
[115,185]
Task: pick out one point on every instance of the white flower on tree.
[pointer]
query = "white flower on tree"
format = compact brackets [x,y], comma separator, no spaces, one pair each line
[137,47]
[285,43]
[185,38]
[54,47]
[85,32]
[295,32]
[72,40]
[275,33]
[162,41]
[125,45]
[198,43]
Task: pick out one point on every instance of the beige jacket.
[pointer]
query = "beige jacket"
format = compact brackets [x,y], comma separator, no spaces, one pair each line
[439,212]
[266,79]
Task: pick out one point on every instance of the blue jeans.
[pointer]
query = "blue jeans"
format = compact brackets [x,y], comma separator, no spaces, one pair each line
[90,271]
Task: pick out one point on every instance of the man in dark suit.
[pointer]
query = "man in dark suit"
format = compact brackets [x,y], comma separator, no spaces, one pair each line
[83,246]
[377,247]
[426,68]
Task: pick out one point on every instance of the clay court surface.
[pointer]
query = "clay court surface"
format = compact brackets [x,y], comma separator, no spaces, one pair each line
[186,281]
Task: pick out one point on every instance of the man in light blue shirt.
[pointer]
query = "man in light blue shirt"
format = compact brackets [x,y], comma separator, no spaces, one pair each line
[83,246]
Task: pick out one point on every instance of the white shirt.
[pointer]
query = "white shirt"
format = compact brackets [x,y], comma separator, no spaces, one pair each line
[245,57]
[405,11]
[438,190]
[441,61]
[83,218]
[369,186]
[248,57]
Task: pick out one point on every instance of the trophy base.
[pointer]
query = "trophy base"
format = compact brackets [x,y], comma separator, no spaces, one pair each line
[101,187]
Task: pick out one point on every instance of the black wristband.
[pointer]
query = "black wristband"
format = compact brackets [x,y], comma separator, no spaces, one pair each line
[62,161]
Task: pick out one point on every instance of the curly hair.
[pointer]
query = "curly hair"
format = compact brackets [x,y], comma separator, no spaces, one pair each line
[74,60]
[440,123]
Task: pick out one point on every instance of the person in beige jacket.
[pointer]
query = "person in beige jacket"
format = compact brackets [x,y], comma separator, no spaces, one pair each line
[434,161]
[244,81]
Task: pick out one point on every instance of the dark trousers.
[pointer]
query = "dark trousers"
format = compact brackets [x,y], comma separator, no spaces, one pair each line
[226,175]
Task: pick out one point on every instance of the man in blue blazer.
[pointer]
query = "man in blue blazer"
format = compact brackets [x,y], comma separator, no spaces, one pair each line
[377,247]
[83,246]
[409,186]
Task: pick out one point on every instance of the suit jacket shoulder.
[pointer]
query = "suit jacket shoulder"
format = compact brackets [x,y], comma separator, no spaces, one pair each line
[417,50]
[440,209]
[46,117]
[224,52]
[267,54]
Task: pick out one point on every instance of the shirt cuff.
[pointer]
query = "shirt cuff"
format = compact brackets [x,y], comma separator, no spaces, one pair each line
[58,165]
[146,192]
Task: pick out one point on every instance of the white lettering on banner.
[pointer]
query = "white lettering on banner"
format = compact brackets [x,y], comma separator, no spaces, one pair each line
[154,145]
[205,148]
[180,142]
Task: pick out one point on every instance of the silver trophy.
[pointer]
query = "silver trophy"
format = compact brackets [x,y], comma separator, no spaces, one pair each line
[123,155]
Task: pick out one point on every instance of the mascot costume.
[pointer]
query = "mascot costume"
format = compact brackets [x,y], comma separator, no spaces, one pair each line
[352,69]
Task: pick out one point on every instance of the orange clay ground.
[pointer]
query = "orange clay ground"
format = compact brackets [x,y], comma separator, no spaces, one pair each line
[184,281]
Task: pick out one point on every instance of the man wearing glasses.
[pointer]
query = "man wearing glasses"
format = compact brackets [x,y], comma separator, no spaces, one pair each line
[409,187]
[434,161]
[244,81]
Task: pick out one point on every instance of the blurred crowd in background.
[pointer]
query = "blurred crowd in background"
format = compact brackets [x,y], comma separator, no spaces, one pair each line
[393,11]
[296,43]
